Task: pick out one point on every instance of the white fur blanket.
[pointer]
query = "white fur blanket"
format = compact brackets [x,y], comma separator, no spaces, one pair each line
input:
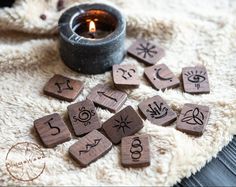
[191,32]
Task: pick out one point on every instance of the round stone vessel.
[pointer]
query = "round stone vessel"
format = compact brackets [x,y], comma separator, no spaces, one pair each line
[105,47]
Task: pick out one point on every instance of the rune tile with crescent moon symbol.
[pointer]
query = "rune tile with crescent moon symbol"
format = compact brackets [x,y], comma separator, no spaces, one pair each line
[193,119]
[161,77]
[146,51]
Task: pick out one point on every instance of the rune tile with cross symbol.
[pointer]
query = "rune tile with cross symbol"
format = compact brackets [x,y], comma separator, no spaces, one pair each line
[146,52]
[63,88]
[193,119]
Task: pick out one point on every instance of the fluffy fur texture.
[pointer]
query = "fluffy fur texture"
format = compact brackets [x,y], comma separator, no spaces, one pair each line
[191,32]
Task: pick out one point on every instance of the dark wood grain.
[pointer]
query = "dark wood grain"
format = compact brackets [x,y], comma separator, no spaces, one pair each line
[107,97]
[135,151]
[125,75]
[193,119]
[63,88]
[157,111]
[124,123]
[195,80]
[146,51]
[52,130]
[83,117]
[90,148]
[161,77]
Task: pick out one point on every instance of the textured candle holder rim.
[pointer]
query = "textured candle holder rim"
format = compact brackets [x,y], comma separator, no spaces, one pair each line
[86,55]
[80,9]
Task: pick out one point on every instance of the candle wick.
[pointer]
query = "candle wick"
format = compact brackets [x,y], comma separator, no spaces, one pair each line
[92,34]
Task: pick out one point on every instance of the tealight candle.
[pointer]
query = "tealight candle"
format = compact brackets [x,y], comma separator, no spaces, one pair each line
[92,38]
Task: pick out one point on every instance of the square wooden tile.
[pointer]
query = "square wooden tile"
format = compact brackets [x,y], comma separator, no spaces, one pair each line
[195,80]
[90,148]
[135,151]
[52,130]
[83,117]
[107,97]
[161,77]
[146,52]
[63,88]
[124,123]
[157,111]
[193,119]
[125,75]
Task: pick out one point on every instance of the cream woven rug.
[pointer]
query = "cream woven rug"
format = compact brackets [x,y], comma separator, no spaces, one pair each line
[191,32]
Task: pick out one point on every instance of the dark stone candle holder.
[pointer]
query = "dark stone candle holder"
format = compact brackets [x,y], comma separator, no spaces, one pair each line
[95,54]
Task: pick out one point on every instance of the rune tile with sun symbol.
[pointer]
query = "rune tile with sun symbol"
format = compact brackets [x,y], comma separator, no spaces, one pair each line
[146,52]
[122,123]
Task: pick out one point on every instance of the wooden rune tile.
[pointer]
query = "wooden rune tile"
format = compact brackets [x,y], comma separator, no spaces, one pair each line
[107,97]
[52,130]
[146,52]
[125,75]
[63,88]
[157,111]
[193,119]
[124,123]
[135,151]
[83,117]
[161,77]
[195,80]
[90,148]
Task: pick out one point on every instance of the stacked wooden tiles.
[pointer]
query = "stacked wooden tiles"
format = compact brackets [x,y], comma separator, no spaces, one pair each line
[96,138]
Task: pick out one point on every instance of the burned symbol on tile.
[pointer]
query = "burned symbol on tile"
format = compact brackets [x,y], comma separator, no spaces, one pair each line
[88,146]
[196,77]
[84,116]
[122,123]
[103,93]
[193,117]
[136,149]
[158,76]
[158,111]
[126,74]
[63,86]
[50,125]
[146,50]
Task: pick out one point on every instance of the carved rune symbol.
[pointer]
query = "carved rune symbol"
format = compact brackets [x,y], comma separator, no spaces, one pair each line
[84,116]
[126,74]
[50,125]
[136,149]
[103,93]
[158,76]
[196,77]
[122,123]
[158,111]
[63,86]
[193,117]
[90,146]
[147,49]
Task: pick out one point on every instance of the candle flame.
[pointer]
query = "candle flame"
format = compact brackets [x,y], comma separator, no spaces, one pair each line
[92,26]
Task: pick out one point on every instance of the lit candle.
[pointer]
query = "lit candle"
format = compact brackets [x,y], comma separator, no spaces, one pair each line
[92,38]
[94,28]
